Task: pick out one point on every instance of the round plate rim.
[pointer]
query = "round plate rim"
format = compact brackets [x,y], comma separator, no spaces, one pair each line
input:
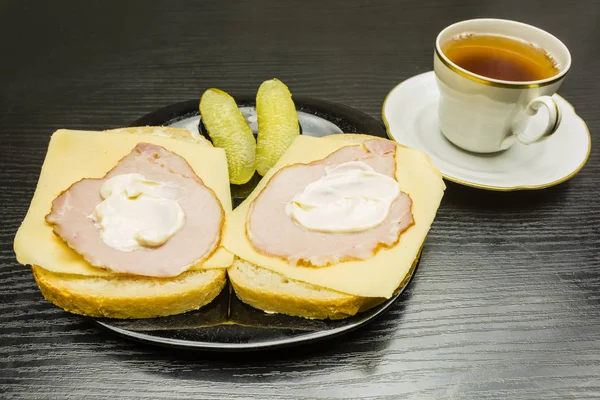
[492,187]
[185,108]
[374,127]
[311,337]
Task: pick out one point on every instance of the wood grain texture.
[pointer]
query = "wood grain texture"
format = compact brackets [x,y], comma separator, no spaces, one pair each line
[506,303]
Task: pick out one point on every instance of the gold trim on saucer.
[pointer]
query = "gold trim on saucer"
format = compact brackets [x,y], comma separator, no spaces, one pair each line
[499,188]
[491,82]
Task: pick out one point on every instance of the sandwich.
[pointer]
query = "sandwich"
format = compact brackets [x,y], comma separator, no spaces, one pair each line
[128,223]
[334,228]
[138,222]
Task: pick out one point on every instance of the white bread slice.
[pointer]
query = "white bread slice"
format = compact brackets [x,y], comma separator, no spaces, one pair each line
[130,296]
[273,292]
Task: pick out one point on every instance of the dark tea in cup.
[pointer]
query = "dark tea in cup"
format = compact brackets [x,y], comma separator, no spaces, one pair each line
[500,57]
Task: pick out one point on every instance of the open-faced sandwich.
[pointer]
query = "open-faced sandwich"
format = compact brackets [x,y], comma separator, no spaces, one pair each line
[334,228]
[137,222]
[128,223]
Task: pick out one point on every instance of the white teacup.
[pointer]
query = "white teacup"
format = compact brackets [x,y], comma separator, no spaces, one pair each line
[486,115]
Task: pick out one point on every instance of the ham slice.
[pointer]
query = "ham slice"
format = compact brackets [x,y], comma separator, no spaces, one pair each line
[192,244]
[272,232]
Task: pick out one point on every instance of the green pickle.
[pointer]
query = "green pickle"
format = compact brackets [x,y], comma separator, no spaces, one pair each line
[277,123]
[229,130]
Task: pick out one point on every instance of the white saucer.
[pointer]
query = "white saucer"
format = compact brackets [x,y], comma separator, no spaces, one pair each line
[410,116]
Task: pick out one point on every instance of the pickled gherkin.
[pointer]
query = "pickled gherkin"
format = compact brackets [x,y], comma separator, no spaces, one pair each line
[229,130]
[277,123]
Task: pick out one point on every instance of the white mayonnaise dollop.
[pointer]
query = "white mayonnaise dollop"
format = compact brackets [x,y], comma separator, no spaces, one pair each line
[351,197]
[137,212]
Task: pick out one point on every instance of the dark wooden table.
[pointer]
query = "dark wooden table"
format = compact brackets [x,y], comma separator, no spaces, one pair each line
[506,303]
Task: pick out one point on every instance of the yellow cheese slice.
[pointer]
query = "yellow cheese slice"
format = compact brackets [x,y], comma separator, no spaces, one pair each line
[165,131]
[378,276]
[74,155]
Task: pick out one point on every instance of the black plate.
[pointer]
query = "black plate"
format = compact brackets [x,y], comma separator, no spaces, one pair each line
[227,324]
[348,119]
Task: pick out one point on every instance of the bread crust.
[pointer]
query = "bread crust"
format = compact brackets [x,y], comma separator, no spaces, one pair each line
[308,301]
[129,296]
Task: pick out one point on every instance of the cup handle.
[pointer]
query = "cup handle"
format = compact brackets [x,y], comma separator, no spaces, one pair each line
[554,118]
